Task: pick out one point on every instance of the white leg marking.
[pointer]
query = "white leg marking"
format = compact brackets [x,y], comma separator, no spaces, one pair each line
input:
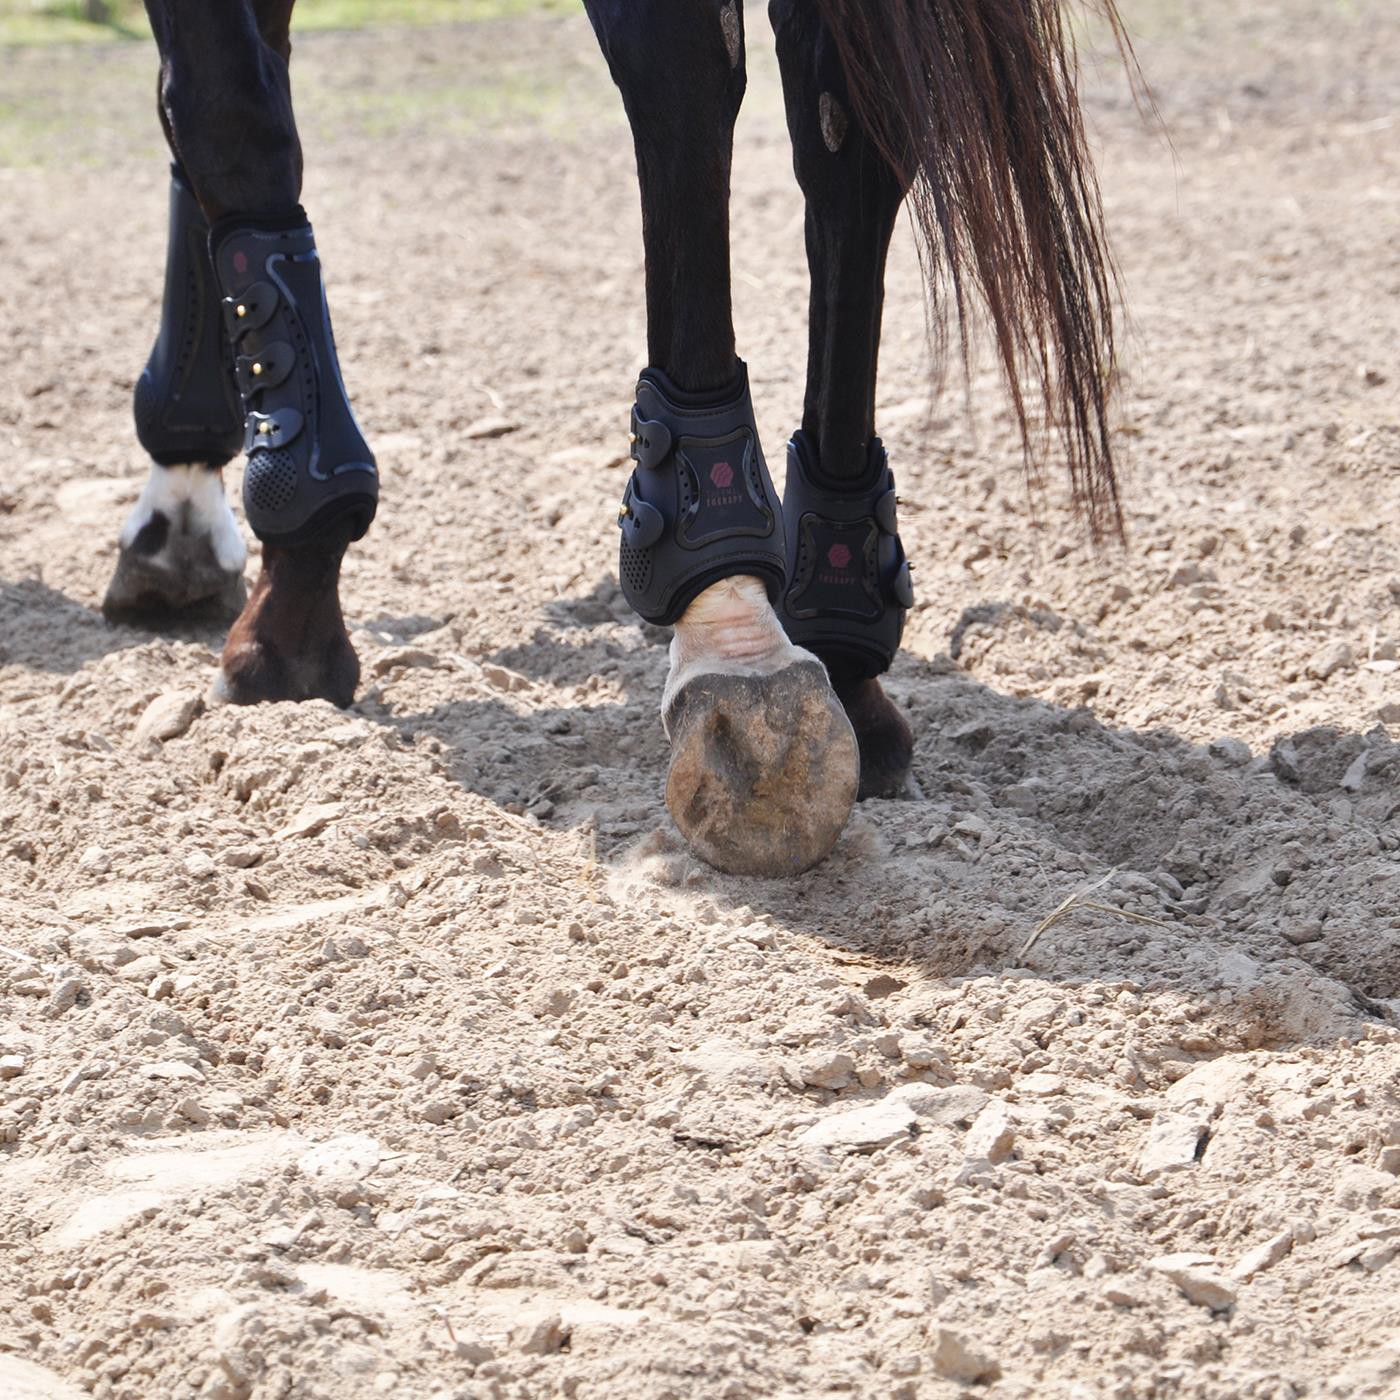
[730,628]
[191,498]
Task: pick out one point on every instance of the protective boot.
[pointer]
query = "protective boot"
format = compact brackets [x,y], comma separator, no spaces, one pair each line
[186,403]
[700,505]
[849,586]
[308,464]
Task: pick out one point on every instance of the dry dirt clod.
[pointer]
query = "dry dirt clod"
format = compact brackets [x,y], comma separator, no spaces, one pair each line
[168,716]
[958,1358]
[1198,1278]
[11,1066]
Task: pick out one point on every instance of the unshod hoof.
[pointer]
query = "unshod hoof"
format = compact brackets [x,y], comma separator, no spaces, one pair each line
[764,769]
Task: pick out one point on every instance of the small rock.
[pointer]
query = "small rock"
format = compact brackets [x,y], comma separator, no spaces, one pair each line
[1172,1143]
[1185,574]
[242,857]
[403,658]
[827,1070]
[11,1065]
[96,860]
[862,1129]
[494,425]
[1265,1256]
[1198,1278]
[64,995]
[141,970]
[991,1136]
[957,1358]
[1309,931]
[541,1336]
[168,716]
[1334,657]
[310,821]
[1123,1294]
[198,865]
[192,1111]
[1355,775]
[1389,713]
[1040,1086]
[1235,752]
[955,1105]
[172,1069]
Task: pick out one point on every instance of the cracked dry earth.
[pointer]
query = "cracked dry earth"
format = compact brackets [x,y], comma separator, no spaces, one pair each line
[402,1051]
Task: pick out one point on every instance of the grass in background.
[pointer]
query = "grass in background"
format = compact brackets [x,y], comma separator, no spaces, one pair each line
[89,21]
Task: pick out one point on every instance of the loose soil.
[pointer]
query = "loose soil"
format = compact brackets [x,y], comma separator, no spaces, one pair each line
[404,1050]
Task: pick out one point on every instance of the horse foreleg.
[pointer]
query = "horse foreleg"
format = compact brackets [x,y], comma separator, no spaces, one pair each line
[763,762]
[848,584]
[310,485]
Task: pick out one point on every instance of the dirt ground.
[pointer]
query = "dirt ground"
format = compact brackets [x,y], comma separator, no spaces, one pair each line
[402,1051]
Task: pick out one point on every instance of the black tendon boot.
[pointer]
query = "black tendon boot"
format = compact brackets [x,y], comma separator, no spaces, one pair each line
[308,464]
[700,505]
[186,402]
[848,581]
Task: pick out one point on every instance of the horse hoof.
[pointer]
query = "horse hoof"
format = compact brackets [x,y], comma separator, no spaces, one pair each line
[886,741]
[185,583]
[764,769]
[253,671]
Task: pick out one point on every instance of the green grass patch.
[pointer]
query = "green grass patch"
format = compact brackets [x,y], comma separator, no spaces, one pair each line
[99,21]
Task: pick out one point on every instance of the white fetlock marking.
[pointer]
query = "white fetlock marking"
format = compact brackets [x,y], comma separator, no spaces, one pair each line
[730,629]
[191,497]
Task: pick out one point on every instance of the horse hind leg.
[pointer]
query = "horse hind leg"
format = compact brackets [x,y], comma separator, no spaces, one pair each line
[763,762]
[848,585]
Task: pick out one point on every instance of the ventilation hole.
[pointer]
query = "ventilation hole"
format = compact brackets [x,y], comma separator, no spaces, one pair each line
[635,567]
[270,481]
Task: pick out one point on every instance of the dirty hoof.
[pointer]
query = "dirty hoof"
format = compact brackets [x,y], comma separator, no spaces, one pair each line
[182,555]
[255,670]
[764,769]
[290,642]
[184,582]
[886,741]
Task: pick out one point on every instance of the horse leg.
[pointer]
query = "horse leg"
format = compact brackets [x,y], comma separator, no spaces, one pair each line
[848,584]
[763,763]
[310,485]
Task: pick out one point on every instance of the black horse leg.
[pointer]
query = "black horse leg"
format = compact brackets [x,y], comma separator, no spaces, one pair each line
[310,485]
[763,761]
[853,198]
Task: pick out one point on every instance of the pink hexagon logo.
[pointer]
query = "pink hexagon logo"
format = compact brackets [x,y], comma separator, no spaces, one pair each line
[838,556]
[722,474]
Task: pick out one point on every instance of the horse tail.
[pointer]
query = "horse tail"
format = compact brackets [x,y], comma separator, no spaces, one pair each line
[973,104]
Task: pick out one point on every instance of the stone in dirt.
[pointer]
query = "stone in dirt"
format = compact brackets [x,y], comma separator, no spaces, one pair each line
[1334,657]
[862,1129]
[310,821]
[168,716]
[11,1065]
[991,1136]
[956,1105]
[1264,1256]
[1198,1278]
[827,1070]
[1173,1142]
[958,1358]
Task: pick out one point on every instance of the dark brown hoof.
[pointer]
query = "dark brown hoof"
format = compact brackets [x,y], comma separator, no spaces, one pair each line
[290,642]
[183,583]
[764,769]
[886,741]
[254,671]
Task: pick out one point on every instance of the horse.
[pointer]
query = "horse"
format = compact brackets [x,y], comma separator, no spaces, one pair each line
[786,608]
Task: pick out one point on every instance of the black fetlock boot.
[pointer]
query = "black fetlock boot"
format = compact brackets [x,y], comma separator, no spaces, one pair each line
[186,403]
[848,592]
[308,464]
[849,586]
[700,505]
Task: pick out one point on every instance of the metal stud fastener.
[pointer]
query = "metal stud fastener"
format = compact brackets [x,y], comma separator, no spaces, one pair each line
[242,310]
[257,369]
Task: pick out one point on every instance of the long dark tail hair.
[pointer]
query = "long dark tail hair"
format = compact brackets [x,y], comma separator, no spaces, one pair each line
[974,103]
